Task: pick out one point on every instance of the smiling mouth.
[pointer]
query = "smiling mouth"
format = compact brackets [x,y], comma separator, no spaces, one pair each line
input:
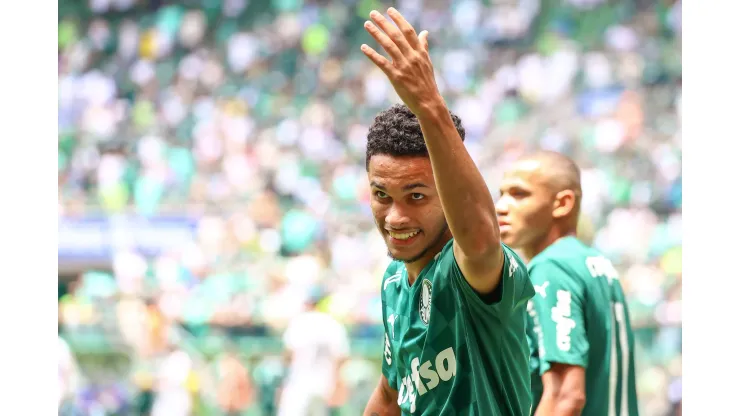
[403,236]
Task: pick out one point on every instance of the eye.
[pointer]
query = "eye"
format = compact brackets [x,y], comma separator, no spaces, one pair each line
[381,195]
[417,196]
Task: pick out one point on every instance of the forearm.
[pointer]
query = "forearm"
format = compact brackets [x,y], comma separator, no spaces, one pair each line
[381,404]
[559,406]
[466,200]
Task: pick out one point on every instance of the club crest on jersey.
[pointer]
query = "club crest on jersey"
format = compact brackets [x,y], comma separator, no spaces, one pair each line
[425,301]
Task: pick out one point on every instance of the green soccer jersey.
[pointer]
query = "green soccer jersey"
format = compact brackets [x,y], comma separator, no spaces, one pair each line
[447,352]
[579,316]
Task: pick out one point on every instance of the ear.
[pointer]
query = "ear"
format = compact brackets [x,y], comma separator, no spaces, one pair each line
[565,202]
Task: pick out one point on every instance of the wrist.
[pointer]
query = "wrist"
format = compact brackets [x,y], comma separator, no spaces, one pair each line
[432,108]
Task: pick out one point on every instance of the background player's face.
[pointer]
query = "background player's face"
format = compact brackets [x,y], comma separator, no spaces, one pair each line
[406,206]
[525,206]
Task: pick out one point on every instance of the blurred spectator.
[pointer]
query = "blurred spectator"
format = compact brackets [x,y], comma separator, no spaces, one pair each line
[235,391]
[68,376]
[172,395]
[316,347]
[269,375]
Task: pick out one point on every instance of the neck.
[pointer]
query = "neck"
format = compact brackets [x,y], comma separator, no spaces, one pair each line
[550,238]
[415,268]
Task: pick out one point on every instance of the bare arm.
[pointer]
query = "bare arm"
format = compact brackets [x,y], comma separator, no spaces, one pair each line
[466,200]
[467,203]
[383,401]
[564,391]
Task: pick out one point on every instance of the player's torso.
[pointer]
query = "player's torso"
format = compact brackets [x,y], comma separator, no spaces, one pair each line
[610,373]
[427,339]
[438,361]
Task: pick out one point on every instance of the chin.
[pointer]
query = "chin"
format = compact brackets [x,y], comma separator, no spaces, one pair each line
[404,257]
[511,242]
[507,239]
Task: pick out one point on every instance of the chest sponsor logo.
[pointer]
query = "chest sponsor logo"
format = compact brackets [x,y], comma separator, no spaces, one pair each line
[426,377]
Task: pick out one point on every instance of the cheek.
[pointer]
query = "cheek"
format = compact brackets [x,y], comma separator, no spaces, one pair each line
[378,212]
[530,214]
[540,215]
[432,217]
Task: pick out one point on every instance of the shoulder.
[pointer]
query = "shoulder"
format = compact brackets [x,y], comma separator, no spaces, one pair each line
[513,264]
[391,279]
[567,257]
[515,271]
[393,268]
[559,273]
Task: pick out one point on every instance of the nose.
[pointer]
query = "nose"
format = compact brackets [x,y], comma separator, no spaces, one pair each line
[502,205]
[396,217]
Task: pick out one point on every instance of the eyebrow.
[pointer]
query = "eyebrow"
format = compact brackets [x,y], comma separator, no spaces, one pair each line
[405,187]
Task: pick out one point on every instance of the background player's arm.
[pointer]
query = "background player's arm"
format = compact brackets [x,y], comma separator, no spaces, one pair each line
[383,401]
[466,200]
[564,391]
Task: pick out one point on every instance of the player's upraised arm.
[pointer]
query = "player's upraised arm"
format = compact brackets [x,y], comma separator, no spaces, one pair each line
[383,401]
[466,201]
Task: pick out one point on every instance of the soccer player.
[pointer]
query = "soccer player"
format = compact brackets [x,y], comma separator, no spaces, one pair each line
[582,343]
[454,298]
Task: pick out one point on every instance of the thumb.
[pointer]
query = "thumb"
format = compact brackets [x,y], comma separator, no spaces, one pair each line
[423,39]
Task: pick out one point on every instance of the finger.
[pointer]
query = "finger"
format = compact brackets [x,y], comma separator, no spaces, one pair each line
[384,41]
[379,60]
[405,27]
[392,32]
[424,40]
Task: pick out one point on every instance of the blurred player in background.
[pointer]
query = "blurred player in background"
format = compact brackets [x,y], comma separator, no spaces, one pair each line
[454,297]
[581,341]
[316,347]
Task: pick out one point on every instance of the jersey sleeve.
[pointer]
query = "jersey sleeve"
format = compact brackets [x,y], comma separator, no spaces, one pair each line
[559,305]
[512,293]
[388,367]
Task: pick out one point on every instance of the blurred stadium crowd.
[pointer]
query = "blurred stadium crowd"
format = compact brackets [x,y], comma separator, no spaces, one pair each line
[211,173]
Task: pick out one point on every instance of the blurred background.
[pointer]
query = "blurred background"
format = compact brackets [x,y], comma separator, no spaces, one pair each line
[211,175]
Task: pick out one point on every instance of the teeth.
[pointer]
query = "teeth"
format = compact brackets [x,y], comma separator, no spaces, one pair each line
[404,236]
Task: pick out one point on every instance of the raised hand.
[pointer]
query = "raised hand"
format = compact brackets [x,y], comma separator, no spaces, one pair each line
[410,69]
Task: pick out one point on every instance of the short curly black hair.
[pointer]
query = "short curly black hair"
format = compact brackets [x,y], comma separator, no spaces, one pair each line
[396,132]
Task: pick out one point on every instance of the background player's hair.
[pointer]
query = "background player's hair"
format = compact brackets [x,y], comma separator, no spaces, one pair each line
[396,132]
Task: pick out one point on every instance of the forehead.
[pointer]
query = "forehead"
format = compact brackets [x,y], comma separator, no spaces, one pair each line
[392,171]
[524,173]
